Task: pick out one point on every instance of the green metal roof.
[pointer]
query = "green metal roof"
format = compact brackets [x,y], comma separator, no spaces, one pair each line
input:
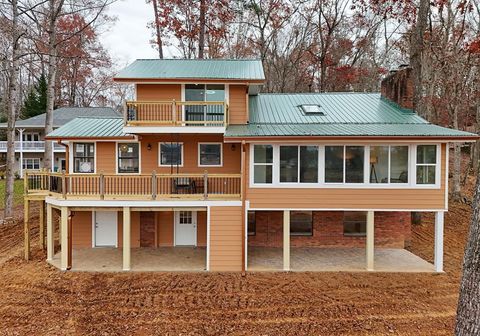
[343,114]
[90,127]
[193,69]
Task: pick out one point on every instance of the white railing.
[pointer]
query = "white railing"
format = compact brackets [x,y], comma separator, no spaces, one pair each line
[31,146]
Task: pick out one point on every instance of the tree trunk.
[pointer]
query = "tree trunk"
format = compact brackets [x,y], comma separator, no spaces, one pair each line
[12,113]
[416,51]
[201,37]
[157,29]
[468,311]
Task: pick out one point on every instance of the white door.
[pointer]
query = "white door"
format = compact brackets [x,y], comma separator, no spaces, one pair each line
[186,228]
[105,228]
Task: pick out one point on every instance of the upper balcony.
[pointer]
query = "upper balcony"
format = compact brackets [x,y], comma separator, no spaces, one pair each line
[30,147]
[176,116]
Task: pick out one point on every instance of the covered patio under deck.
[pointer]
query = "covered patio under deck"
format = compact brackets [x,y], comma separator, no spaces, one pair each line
[161,259]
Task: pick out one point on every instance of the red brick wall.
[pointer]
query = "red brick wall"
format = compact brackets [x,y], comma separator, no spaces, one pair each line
[147,229]
[392,229]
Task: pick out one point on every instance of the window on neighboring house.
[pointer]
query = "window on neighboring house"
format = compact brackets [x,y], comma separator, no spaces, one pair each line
[262,164]
[301,223]
[171,154]
[210,154]
[252,223]
[128,158]
[426,164]
[83,157]
[344,164]
[30,136]
[388,164]
[299,164]
[31,163]
[355,223]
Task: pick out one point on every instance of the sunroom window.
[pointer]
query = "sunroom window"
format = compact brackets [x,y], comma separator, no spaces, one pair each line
[299,164]
[263,164]
[388,164]
[426,164]
[344,164]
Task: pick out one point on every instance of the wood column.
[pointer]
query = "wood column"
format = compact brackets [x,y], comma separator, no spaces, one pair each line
[50,231]
[126,239]
[370,240]
[64,239]
[41,225]
[286,240]
[26,228]
[438,249]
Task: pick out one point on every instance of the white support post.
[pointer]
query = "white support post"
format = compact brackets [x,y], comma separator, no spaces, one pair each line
[53,157]
[438,251]
[370,240]
[20,139]
[126,239]
[286,240]
[64,238]
[50,242]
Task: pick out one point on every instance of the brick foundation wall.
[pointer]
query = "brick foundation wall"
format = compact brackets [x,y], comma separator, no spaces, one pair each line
[392,229]
[147,229]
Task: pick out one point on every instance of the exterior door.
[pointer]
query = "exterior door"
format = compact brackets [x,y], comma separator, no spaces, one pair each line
[185,228]
[63,165]
[105,228]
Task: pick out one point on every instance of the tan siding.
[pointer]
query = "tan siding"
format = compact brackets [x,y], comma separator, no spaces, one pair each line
[225,238]
[165,228]
[105,157]
[264,198]
[82,229]
[159,92]
[201,228]
[238,104]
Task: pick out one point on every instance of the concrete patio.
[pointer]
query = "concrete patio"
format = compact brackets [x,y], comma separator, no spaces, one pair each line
[162,259]
[335,259]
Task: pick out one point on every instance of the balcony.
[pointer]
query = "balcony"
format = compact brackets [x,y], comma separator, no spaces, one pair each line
[176,116]
[133,187]
[30,147]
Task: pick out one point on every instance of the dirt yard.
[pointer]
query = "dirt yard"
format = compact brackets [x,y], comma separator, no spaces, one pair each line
[37,299]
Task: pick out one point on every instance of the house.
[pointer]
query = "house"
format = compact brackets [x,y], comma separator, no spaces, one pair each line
[30,142]
[205,172]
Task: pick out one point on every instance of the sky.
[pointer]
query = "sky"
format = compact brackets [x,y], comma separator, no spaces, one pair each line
[129,37]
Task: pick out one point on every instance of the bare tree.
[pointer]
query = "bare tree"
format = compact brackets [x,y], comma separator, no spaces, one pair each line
[157,30]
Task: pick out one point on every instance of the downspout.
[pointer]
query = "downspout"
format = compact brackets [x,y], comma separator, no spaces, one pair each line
[70,244]
[242,193]
[67,155]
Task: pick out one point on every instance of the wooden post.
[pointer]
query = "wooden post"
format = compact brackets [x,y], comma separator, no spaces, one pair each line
[205,184]
[370,240]
[64,239]
[174,111]
[26,228]
[50,229]
[25,183]
[64,185]
[126,239]
[438,250]
[286,240]
[102,186]
[41,226]
[154,185]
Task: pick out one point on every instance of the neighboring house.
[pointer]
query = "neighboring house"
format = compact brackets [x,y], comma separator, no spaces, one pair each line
[205,172]
[30,137]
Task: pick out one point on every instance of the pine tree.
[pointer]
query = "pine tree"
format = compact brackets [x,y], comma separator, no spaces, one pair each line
[36,100]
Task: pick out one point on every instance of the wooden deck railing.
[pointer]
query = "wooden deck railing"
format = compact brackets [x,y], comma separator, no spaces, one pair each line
[154,186]
[176,113]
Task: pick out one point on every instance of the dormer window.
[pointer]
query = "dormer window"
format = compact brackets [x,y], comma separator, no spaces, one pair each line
[312,109]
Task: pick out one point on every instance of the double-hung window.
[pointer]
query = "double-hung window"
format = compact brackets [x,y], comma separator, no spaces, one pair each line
[128,158]
[209,154]
[83,158]
[426,164]
[388,164]
[263,164]
[298,164]
[31,163]
[344,164]
[171,154]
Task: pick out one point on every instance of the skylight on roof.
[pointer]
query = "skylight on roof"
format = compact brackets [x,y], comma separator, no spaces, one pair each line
[312,109]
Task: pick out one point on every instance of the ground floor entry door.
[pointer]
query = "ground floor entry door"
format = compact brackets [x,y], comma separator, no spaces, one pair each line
[105,228]
[185,228]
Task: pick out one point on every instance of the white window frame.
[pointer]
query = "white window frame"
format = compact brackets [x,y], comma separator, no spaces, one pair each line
[182,157]
[321,168]
[139,157]
[437,166]
[298,168]
[31,134]
[389,165]
[199,153]
[365,165]
[71,156]
[33,160]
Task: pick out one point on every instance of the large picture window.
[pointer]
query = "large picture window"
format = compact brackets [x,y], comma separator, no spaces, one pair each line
[128,158]
[210,155]
[263,164]
[344,164]
[301,223]
[83,158]
[388,164]
[171,154]
[355,223]
[426,164]
[299,164]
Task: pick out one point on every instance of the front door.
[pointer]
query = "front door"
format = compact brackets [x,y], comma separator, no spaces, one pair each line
[63,165]
[185,228]
[105,228]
